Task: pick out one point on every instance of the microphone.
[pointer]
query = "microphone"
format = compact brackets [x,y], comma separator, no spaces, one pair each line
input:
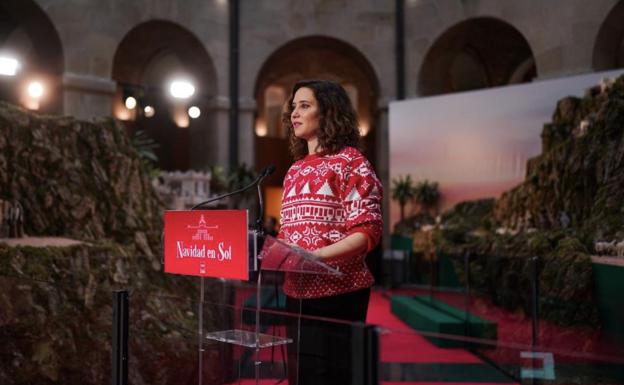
[268,170]
[259,221]
[261,175]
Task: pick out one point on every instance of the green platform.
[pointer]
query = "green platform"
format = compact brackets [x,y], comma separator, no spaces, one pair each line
[431,315]
[609,286]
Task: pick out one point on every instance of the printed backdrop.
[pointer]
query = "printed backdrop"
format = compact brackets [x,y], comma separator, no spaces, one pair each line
[475,144]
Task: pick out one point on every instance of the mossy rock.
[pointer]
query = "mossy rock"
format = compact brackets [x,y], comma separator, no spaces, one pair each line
[56,319]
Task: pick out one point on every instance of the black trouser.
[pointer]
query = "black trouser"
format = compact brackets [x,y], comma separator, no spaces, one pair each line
[322,355]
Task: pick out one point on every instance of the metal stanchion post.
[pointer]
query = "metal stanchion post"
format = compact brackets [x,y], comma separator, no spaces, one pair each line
[120,338]
[364,354]
[200,331]
[534,301]
[467,294]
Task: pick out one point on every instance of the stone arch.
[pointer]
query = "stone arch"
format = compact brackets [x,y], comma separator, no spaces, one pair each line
[609,45]
[27,33]
[147,59]
[306,58]
[474,54]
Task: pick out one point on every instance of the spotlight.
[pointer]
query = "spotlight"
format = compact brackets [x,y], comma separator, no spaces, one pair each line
[181,89]
[35,90]
[149,111]
[364,129]
[130,103]
[261,127]
[194,112]
[8,66]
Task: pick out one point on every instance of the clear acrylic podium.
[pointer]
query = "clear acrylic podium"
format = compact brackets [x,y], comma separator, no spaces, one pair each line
[278,256]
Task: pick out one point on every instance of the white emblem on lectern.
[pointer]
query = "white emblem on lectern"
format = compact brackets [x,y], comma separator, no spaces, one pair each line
[202,233]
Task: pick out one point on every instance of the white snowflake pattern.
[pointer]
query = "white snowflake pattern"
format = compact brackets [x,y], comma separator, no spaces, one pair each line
[322,169]
[365,185]
[311,236]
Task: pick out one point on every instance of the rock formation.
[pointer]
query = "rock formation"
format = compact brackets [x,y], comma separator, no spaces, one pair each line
[571,199]
[75,178]
[577,181]
[84,180]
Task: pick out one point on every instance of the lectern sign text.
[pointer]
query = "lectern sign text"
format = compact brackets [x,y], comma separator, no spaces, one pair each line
[207,243]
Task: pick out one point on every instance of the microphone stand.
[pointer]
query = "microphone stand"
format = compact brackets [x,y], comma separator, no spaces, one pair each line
[264,173]
[259,220]
[258,225]
[259,228]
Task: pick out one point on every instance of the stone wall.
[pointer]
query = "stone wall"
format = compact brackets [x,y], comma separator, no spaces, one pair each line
[561,35]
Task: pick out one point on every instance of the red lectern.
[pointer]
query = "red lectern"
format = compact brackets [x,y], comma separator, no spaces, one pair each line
[217,244]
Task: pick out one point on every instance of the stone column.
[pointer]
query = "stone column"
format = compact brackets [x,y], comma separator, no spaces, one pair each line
[383,163]
[246,132]
[86,96]
[209,142]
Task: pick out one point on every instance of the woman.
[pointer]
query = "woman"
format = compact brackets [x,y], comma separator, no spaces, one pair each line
[331,206]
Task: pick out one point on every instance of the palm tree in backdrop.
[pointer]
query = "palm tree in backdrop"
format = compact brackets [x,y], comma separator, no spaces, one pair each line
[402,192]
[427,195]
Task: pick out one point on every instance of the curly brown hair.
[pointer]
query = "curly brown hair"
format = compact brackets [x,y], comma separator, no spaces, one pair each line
[338,124]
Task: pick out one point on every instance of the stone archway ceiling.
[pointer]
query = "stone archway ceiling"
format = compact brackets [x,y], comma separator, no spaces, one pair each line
[148,57]
[152,39]
[27,33]
[609,45]
[47,52]
[476,53]
[46,56]
[316,56]
[320,57]
[7,25]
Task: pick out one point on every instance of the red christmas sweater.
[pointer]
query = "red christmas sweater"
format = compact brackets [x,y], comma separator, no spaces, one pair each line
[325,199]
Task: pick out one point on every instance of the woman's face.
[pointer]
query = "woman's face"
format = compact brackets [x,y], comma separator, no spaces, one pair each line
[305,114]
